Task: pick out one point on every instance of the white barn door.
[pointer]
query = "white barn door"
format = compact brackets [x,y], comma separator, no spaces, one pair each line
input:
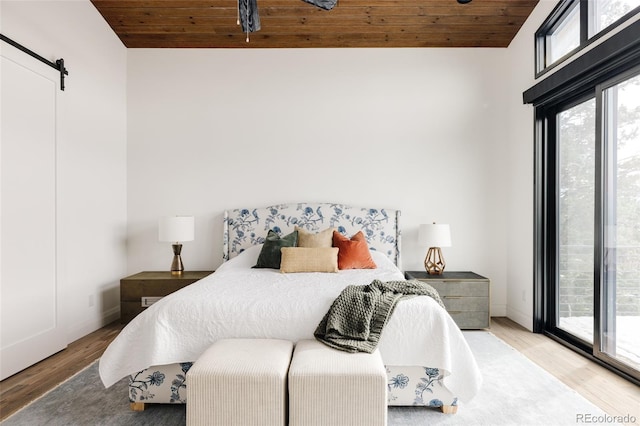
[30,326]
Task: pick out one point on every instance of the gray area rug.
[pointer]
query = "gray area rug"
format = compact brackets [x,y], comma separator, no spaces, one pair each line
[515,392]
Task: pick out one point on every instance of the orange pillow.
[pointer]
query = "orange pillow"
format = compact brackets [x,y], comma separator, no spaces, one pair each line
[353,253]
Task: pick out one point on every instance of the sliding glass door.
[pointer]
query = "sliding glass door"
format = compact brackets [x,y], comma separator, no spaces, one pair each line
[575,239]
[620,289]
[592,228]
[587,181]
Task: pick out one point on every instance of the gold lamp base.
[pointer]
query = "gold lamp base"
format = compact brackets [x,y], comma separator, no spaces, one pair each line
[176,266]
[434,261]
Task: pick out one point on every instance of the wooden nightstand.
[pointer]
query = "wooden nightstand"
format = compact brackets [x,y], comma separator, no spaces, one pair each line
[139,291]
[465,295]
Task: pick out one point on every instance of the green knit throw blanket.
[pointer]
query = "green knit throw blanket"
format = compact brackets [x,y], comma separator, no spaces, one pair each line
[357,317]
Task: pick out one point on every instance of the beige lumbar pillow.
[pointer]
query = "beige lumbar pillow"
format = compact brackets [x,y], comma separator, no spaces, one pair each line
[310,239]
[309,259]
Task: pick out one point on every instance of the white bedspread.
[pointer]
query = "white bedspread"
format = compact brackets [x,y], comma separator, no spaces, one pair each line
[237,301]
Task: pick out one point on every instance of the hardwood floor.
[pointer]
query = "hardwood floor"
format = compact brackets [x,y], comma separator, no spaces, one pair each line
[611,393]
[33,382]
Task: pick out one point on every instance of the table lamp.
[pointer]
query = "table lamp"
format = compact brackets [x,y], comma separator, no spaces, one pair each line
[176,229]
[434,236]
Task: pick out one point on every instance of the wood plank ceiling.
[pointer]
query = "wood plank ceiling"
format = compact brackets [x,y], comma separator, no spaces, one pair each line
[296,24]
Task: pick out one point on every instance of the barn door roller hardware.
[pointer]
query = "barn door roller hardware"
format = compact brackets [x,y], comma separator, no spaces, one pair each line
[58,65]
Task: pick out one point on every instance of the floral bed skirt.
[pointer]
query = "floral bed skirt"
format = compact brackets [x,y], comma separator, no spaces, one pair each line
[407,385]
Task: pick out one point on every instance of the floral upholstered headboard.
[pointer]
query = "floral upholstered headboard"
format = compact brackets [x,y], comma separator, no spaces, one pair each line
[247,227]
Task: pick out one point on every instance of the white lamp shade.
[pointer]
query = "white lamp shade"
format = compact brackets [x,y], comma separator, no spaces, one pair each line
[434,235]
[176,228]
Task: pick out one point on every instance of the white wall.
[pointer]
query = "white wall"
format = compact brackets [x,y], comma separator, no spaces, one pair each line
[519,168]
[421,130]
[91,152]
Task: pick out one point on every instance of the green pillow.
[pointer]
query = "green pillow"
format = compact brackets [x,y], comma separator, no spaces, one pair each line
[270,255]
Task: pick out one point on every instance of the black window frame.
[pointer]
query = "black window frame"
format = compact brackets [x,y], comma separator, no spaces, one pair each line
[549,321]
[580,79]
[556,18]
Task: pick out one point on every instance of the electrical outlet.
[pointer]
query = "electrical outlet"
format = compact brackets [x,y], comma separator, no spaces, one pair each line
[91,301]
[147,301]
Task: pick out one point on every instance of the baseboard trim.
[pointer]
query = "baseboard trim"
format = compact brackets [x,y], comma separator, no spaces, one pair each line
[87,327]
[498,310]
[521,318]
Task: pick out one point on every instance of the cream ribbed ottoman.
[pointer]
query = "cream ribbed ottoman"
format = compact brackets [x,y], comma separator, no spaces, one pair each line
[240,382]
[328,387]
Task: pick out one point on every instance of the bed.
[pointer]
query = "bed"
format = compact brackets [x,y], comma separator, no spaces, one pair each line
[427,359]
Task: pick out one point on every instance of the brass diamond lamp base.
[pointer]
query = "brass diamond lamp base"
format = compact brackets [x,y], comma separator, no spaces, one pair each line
[434,262]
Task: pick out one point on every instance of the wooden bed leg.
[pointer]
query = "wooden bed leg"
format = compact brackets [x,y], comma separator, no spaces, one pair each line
[137,406]
[449,409]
